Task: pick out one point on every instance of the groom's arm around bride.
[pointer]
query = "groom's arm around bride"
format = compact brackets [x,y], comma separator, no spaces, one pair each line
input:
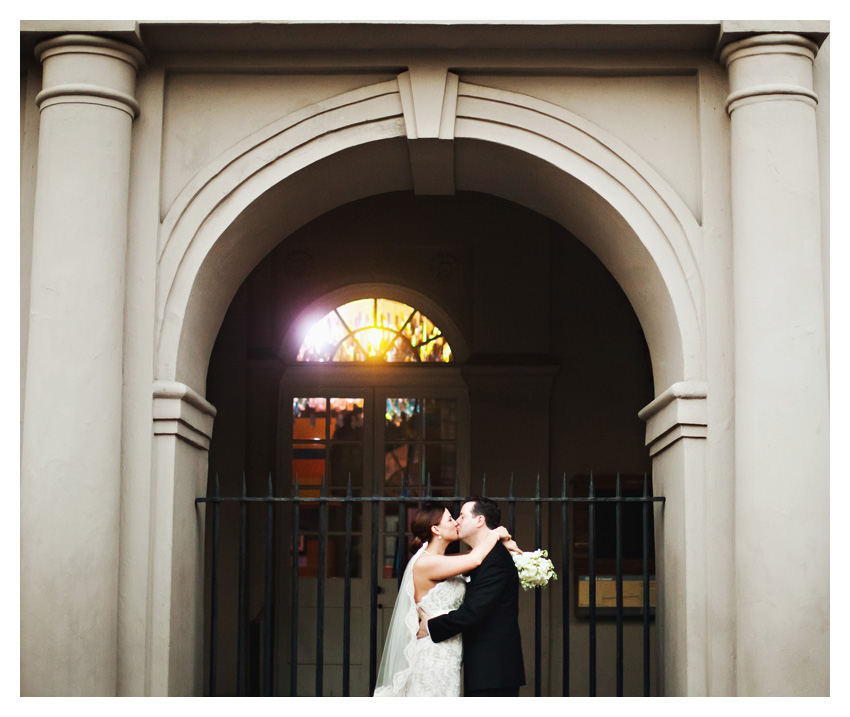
[488,617]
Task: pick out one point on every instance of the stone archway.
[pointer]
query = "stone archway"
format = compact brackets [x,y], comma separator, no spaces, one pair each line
[431,133]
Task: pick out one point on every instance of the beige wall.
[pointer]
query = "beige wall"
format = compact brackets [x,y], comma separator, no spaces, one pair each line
[205,113]
[654,114]
[657,100]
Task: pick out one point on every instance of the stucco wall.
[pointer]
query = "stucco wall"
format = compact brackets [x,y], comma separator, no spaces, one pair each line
[656,113]
[666,107]
[206,113]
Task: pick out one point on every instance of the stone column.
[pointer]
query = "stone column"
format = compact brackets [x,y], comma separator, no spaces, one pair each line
[70,475]
[781,391]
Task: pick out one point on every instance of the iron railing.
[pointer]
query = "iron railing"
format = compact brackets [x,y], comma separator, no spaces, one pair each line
[267,617]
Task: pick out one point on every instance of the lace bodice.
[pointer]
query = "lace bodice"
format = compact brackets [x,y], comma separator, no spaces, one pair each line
[412,667]
[443,597]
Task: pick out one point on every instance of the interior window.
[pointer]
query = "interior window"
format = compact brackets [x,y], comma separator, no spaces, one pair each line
[375,330]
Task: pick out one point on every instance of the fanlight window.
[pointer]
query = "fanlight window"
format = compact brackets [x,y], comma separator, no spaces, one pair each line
[375,330]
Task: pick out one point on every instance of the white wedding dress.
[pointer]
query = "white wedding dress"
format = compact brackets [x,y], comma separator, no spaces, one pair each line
[421,668]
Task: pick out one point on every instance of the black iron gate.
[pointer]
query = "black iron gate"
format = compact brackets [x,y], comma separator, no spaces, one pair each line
[261,629]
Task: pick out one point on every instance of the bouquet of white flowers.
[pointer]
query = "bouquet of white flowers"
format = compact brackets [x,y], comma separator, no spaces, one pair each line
[535,569]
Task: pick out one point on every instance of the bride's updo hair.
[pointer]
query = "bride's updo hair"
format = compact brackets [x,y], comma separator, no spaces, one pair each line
[428,515]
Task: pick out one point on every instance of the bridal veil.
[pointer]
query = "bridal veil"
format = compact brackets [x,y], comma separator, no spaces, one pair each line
[397,660]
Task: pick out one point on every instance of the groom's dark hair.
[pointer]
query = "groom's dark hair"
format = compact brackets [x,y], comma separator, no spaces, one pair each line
[488,508]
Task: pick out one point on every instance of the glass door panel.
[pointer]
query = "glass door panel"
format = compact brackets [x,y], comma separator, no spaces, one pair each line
[327,443]
[419,454]
[325,438]
[388,440]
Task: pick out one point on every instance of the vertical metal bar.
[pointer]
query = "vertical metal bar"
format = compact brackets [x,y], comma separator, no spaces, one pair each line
[538,608]
[565,592]
[268,596]
[618,509]
[483,484]
[214,590]
[346,617]
[320,598]
[428,490]
[401,553]
[373,586]
[457,496]
[241,626]
[511,507]
[591,510]
[646,507]
[293,604]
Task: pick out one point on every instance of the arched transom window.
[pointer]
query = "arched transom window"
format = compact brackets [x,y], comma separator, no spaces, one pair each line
[375,330]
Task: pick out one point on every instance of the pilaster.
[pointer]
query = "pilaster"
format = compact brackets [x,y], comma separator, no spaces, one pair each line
[71,450]
[676,432]
[781,391]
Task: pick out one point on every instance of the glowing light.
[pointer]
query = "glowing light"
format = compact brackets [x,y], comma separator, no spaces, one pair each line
[377,329]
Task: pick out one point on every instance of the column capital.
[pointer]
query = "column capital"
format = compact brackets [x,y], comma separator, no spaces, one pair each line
[89,69]
[770,66]
[733,30]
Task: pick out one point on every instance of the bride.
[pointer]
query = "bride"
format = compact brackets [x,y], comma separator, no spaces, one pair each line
[432,582]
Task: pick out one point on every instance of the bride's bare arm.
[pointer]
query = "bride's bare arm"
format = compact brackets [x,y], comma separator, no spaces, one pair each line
[440,567]
[511,545]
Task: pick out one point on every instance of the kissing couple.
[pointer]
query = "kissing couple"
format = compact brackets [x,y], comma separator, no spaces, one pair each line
[443,620]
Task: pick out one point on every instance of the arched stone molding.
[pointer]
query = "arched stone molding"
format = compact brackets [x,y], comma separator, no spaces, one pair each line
[592,173]
[560,165]
[317,309]
[356,145]
[203,217]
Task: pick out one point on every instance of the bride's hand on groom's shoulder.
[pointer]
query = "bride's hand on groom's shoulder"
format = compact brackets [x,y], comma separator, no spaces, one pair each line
[503,533]
[507,539]
[512,546]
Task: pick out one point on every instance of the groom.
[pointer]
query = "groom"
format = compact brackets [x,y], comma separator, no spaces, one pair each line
[488,617]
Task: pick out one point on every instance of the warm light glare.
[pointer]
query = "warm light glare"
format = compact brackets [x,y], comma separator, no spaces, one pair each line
[378,329]
[374,337]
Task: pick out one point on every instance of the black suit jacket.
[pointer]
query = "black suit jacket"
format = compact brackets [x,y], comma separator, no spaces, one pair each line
[488,619]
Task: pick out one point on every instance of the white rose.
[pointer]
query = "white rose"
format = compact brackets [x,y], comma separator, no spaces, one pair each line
[534,569]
